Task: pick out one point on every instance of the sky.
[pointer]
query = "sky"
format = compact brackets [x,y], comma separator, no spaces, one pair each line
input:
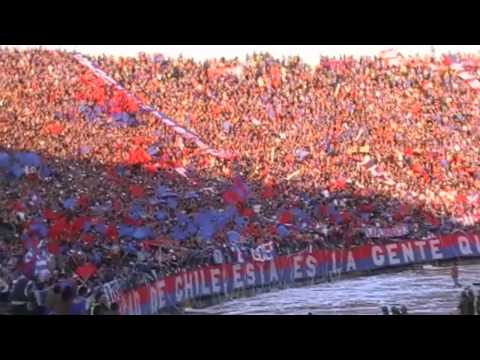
[309,53]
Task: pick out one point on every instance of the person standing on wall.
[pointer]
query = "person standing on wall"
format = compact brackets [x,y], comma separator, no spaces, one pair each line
[454,274]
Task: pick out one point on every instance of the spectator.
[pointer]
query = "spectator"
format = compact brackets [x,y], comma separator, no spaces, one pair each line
[53,298]
[79,304]
[114,309]
[330,152]
[66,300]
[99,306]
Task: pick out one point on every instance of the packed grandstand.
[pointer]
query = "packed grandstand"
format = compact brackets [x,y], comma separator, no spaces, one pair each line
[117,172]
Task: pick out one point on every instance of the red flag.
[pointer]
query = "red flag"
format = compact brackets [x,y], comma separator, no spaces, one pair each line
[83,202]
[127,220]
[461,199]
[151,168]
[285,217]
[268,192]
[112,233]
[136,191]
[366,208]
[138,156]
[57,229]
[87,238]
[231,197]
[54,128]
[447,60]
[78,224]
[430,219]
[322,210]
[339,184]
[346,217]
[247,212]
[50,215]
[18,206]
[116,205]
[53,248]
[86,271]
[251,230]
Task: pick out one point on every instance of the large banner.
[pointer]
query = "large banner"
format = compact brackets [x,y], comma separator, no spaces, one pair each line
[397,231]
[162,117]
[225,278]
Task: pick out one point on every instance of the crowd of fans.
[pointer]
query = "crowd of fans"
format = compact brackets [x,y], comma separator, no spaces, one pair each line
[90,184]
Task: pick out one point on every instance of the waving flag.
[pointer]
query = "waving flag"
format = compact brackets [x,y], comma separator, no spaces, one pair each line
[142,233]
[55,128]
[241,188]
[301,154]
[160,116]
[231,197]
[53,247]
[44,172]
[4,160]
[78,224]
[125,231]
[233,237]
[28,159]
[58,228]
[86,271]
[83,202]
[17,171]
[161,216]
[101,228]
[136,191]
[285,217]
[430,219]
[69,203]
[39,228]
[282,231]
[111,233]
[136,212]
[268,192]
[236,194]
[205,220]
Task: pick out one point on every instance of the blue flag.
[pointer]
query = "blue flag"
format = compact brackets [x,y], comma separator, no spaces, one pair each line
[240,223]
[301,154]
[125,230]
[44,172]
[282,231]
[172,203]
[28,159]
[233,237]
[101,228]
[69,203]
[136,212]
[39,228]
[4,160]
[142,233]
[161,216]
[153,150]
[17,170]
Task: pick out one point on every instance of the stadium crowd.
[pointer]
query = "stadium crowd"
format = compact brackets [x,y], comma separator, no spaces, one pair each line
[96,190]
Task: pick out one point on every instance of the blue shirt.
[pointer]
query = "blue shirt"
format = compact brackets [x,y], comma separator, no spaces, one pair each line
[78,306]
